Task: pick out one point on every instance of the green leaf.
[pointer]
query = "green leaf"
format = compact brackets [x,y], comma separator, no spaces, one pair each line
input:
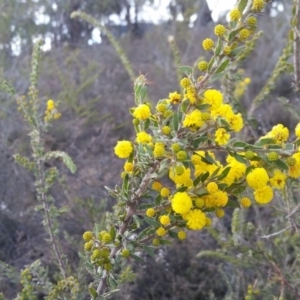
[181,189]
[219,47]
[239,145]
[137,221]
[251,147]
[281,165]
[237,51]
[209,159]
[93,293]
[196,143]
[274,147]
[211,64]
[242,5]
[240,158]
[203,106]
[149,250]
[232,204]
[158,199]
[125,183]
[264,141]
[249,169]
[289,147]
[165,242]
[233,34]
[173,234]
[147,124]
[67,160]
[152,222]
[204,176]
[145,232]
[200,178]
[187,70]
[224,173]
[184,105]
[223,66]
[143,92]
[137,258]
[175,121]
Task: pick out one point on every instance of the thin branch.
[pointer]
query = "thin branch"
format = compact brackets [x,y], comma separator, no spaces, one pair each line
[130,211]
[276,233]
[296,45]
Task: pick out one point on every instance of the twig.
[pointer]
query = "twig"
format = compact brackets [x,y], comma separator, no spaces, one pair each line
[48,220]
[276,233]
[296,46]
[130,210]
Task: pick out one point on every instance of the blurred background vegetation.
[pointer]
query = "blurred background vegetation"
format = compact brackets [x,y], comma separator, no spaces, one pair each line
[82,71]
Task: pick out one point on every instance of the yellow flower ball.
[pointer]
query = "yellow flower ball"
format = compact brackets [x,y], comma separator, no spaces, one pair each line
[157,186]
[166,130]
[219,198]
[263,195]
[227,50]
[208,44]
[50,105]
[258,178]
[196,219]
[87,236]
[128,167]
[193,119]
[214,98]
[199,202]
[165,192]
[222,136]
[212,187]
[245,202]
[278,180]
[181,235]
[181,203]
[235,15]
[150,212]
[174,97]
[244,34]
[155,242]
[142,112]
[258,5]
[161,108]
[220,213]
[164,220]
[185,82]
[220,30]
[88,245]
[161,231]
[208,221]
[159,150]
[202,65]
[252,21]
[123,149]
[143,138]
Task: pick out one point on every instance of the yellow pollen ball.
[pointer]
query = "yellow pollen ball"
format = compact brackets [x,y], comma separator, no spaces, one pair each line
[245,202]
[161,231]
[181,235]
[208,44]
[142,112]
[212,187]
[164,220]
[235,15]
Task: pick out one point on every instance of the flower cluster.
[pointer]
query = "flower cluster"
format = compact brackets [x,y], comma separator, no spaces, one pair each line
[186,164]
[51,111]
